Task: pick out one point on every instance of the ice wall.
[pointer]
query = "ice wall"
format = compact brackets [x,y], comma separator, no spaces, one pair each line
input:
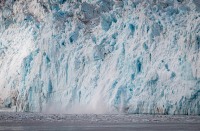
[100,56]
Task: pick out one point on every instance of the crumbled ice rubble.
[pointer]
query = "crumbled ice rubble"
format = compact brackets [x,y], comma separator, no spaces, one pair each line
[95,119]
[100,56]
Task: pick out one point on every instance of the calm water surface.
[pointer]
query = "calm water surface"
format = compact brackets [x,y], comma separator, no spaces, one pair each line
[111,127]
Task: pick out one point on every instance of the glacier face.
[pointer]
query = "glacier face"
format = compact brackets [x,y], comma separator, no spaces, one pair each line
[100,56]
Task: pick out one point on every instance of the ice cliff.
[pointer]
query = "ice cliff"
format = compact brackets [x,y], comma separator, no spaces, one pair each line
[100,56]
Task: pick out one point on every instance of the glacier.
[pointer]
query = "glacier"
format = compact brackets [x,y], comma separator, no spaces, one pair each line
[100,56]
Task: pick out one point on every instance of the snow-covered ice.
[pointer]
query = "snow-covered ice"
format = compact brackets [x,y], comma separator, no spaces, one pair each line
[100,56]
